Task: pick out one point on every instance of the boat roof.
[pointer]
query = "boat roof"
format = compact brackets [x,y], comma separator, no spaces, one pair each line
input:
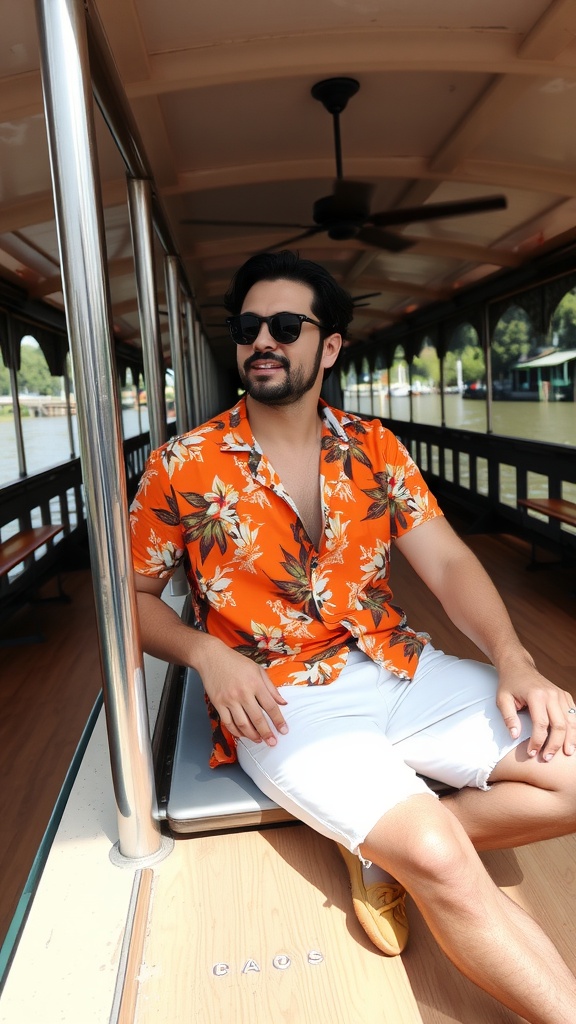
[455,101]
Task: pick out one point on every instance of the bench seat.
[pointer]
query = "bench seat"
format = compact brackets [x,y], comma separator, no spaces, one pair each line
[555,508]
[22,545]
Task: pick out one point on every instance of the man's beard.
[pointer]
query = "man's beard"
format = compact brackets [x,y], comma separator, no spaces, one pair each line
[287,391]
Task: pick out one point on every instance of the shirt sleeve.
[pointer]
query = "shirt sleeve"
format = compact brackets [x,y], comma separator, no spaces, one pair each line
[409,499]
[157,536]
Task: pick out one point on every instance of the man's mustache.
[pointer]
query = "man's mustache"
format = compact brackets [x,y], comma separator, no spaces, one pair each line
[280,360]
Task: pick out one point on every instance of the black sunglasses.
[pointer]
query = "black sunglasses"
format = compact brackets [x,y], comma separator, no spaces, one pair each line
[284,327]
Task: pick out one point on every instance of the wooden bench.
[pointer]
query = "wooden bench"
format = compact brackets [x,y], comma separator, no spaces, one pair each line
[18,549]
[22,545]
[561,509]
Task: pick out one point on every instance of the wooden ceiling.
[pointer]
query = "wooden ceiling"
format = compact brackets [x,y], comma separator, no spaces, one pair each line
[456,100]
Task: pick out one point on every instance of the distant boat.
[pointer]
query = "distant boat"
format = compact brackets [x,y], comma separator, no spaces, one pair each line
[399,390]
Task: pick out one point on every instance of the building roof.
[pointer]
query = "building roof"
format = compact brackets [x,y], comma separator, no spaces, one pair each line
[550,359]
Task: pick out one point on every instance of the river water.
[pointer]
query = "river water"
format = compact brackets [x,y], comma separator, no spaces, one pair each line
[47,442]
[554,422]
[46,439]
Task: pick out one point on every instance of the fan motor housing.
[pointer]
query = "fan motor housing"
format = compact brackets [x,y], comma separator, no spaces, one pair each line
[340,223]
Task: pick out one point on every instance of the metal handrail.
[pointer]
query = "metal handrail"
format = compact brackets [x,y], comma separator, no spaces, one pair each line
[72,147]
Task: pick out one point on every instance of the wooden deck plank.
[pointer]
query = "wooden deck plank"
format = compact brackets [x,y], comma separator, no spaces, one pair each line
[242,900]
[46,694]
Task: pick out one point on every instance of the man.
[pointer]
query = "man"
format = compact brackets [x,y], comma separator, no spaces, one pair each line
[287,511]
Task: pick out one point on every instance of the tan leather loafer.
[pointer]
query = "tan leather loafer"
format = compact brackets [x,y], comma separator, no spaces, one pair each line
[380,908]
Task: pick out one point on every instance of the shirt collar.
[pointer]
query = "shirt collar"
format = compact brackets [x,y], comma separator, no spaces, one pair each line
[239,438]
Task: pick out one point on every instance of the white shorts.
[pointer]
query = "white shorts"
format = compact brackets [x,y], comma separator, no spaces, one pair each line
[357,747]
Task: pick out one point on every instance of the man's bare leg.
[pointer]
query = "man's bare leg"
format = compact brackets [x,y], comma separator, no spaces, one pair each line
[529,800]
[487,936]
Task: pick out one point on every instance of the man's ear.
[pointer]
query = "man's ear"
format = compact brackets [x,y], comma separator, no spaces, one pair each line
[332,346]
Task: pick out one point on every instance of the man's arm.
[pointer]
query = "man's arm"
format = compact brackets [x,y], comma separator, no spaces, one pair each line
[239,689]
[456,577]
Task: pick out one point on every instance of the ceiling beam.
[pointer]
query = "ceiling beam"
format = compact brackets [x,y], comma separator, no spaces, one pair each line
[488,109]
[39,208]
[373,313]
[539,178]
[359,266]
[545,41]
[552,33]
[305,54]
[446,248]
[381,284]
[441,247]
[350,51]
[406,288]
[50,285]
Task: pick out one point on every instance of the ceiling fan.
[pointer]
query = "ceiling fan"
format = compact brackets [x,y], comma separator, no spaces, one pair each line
[345,214]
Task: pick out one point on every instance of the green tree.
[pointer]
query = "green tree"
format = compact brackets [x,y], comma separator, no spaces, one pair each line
[34,377]
[564,321]
[4,379]
[426,366]
[471,358]
[511,341]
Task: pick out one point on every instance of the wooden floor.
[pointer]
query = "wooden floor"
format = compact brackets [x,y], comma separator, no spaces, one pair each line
[222,908]
[47,692]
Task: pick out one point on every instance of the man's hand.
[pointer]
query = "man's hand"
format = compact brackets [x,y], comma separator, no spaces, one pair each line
[242,694]
[553,728]
[239,689]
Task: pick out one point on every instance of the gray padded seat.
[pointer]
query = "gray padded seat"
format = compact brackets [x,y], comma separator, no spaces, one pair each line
[204,799]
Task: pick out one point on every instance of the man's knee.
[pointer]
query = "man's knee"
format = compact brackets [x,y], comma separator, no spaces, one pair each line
[422,844]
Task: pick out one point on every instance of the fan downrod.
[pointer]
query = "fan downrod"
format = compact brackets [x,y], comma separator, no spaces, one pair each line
[334,93]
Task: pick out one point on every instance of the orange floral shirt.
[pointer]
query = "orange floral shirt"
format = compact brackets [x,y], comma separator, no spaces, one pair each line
[257,581]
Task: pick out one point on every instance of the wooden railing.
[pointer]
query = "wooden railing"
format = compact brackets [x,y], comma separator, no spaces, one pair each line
[486,474]
[54,497]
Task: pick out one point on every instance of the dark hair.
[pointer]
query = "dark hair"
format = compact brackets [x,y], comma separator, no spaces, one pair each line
[332,305]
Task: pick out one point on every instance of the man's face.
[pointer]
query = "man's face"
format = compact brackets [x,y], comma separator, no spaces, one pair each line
[273,373]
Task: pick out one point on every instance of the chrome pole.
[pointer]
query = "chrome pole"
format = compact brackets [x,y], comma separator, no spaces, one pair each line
[72,148]
[138,406]
[200,369]
[20,450]
[487,350]
[67,396]
[206,402]
[187,365]
[194,363]
[140,208]
[176,339]
[14,344]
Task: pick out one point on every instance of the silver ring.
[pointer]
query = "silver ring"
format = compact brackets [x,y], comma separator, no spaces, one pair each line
[572,711]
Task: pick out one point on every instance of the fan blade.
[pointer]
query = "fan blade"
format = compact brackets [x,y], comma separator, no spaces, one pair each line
[437,211]
[296,238]
[239,223]
[384,240]
[369,295]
